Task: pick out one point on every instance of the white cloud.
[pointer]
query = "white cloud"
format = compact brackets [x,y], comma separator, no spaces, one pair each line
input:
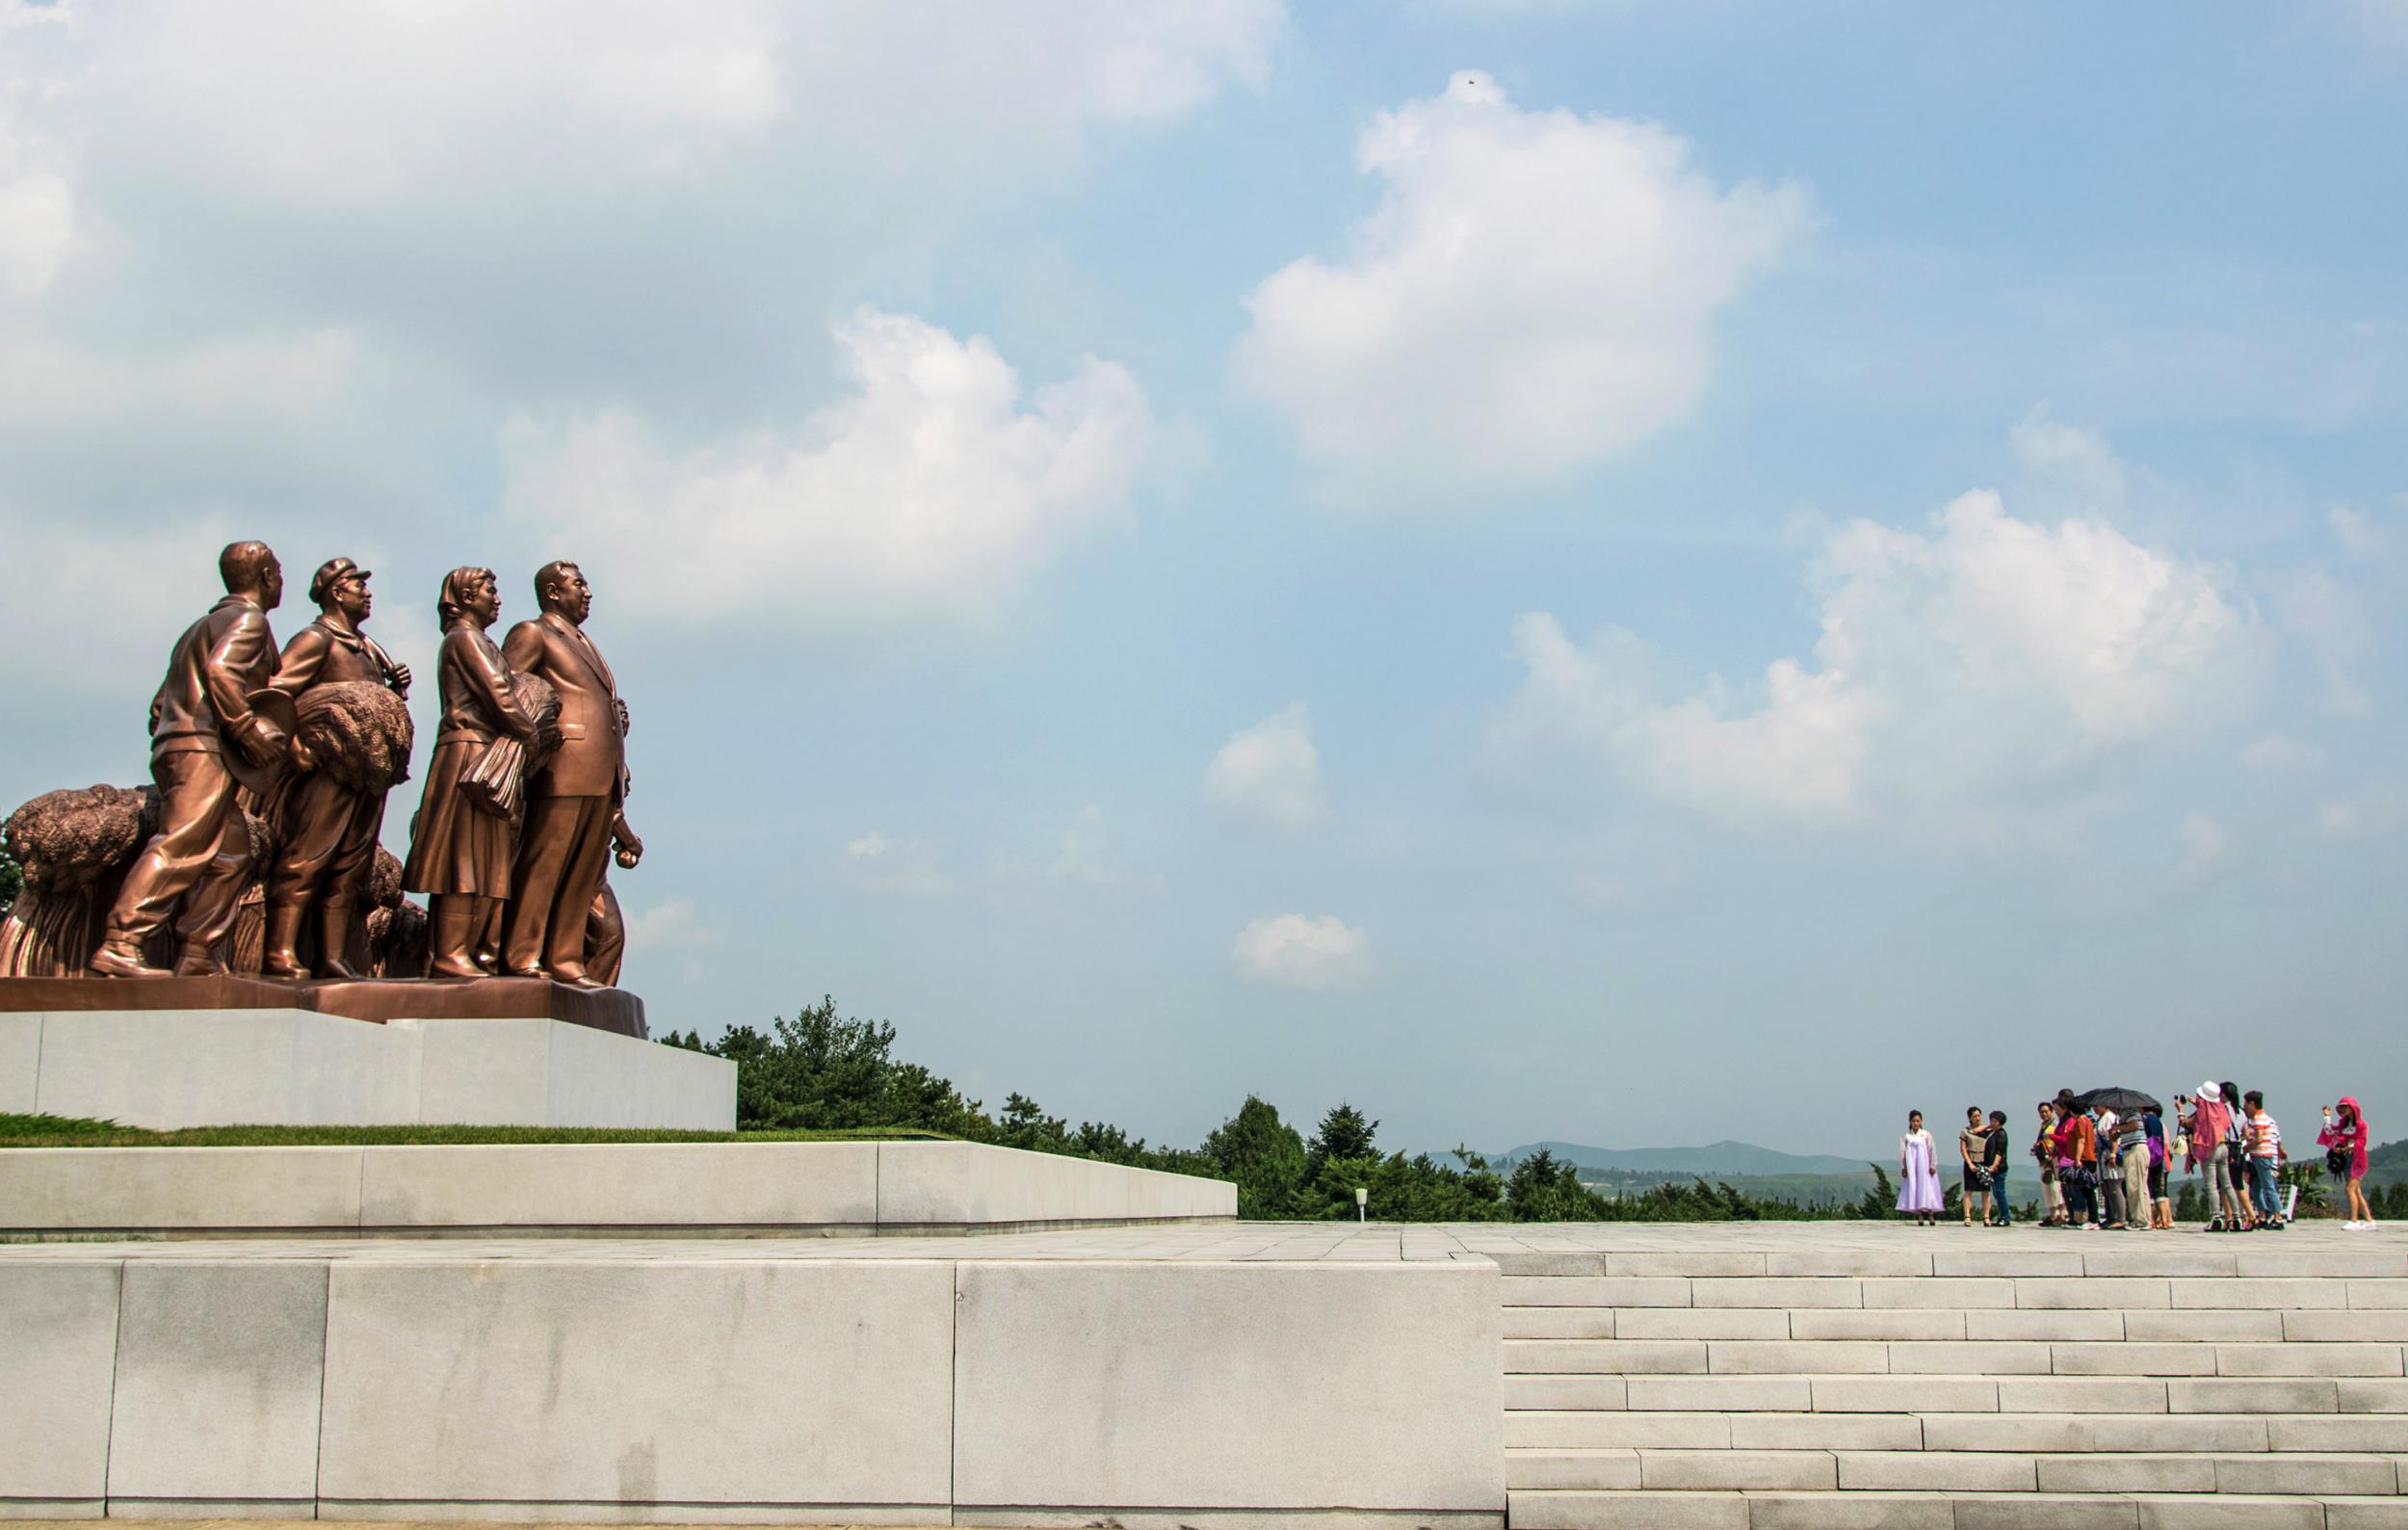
[36,202]
[2332,620]
[1270,771]
[1081,853]
[2275,753]
[666,926]
[2369,813]
[552,207]
[2074,458]
[62,573]
[1301,951]
[931,483]
[1959,672]
[173,445]
[2357,530]
[2203,846]
[909,869]
[1082,858]
[2380,27]
[368,104]
[37,230]
[1534,292]
[253,384]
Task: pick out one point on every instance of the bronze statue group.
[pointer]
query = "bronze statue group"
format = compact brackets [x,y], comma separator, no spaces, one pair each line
[523,803]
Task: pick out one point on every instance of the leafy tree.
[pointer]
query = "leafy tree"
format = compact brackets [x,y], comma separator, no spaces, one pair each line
[817,1070]
[1421,1189]
[1881,1199]
[1345,1133]
[1545,1187]
[2308,1173]
[11,880]
[1264,1155]
[822,1071]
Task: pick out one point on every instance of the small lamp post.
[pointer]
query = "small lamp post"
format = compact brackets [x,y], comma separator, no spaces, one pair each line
[1362,1198]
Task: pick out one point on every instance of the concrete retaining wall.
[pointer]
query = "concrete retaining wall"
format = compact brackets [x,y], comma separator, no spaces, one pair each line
[167,1068]
[585,1187]
[900,1390]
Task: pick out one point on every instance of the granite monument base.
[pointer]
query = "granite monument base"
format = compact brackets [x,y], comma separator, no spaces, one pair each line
[1227,1378]
[284,1065]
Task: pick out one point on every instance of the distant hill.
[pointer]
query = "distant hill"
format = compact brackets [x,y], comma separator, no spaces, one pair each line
[1714,1159]
[2386,1165]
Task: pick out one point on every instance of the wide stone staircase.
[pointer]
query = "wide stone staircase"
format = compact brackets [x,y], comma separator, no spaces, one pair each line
[1959,1380]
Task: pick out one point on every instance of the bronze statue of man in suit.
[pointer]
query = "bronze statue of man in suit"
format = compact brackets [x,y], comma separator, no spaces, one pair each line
[325,832]
[572,802]
[204,733]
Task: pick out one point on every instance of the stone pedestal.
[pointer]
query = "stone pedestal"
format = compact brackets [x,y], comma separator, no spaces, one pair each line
[376,999]
[168,1067]
[653,1190]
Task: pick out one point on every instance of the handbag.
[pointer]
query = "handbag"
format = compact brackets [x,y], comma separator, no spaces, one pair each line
[2337,1162]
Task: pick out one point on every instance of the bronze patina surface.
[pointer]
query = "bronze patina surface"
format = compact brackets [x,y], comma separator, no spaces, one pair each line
[208,736]
[326,813]
[249,872]
[368,999]
[573,797]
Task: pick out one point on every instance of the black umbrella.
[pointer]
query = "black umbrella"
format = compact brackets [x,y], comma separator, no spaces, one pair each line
[2123,1101]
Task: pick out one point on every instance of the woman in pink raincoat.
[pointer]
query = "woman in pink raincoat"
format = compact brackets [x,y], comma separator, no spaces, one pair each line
[2344,1141]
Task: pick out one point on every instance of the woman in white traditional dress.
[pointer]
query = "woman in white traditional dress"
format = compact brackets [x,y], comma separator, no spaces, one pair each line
[1919,1173]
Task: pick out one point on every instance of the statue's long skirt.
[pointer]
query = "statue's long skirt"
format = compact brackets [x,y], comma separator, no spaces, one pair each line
[456,846]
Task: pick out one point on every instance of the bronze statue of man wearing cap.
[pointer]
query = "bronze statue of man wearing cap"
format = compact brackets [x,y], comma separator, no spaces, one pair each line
[207,737]
[326,831]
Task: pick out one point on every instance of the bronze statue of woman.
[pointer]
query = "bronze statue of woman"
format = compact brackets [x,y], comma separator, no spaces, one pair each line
[459,850]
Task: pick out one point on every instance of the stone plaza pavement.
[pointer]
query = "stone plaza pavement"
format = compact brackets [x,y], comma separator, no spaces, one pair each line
[1747,1376]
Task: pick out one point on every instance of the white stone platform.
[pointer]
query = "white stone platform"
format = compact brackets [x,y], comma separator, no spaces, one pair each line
[585,1189]
[1732,1376]
[1230,1376]
[167,1068]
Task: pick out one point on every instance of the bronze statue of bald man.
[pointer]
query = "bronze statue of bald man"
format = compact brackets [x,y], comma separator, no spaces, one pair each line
[572,802]
[206,739]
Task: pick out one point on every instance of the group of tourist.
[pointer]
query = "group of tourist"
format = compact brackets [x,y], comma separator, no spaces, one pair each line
[2104,1168]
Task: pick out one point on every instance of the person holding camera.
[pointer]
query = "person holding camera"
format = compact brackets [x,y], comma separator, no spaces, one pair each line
[2343,1140]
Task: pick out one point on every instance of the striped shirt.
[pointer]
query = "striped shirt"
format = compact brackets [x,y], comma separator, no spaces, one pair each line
[2266,1139]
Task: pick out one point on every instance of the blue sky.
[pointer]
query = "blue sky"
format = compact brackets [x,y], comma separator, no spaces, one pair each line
[1627,573]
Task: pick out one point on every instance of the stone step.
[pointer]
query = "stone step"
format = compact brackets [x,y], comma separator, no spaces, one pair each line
[2034,1433]
[1538,1403]
[2079,1255]
[1734,1470]
[1978,1325]
[1573,1509]
[1749,1356]
[1588,1470]
[1628,1431]
[2040,1292]
[1560,1322]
